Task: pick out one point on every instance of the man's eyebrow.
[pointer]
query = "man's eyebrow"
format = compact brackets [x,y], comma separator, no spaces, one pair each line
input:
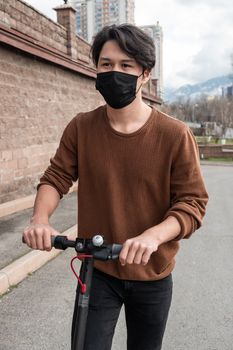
[105,59]
[124,59]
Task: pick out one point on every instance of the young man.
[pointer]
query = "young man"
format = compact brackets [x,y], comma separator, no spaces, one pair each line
[139,184]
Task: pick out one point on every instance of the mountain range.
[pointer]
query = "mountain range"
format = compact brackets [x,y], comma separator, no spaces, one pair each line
[211,87]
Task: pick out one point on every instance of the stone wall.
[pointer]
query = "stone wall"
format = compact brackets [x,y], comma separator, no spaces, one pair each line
[27,20]
[37,101]
[22,17]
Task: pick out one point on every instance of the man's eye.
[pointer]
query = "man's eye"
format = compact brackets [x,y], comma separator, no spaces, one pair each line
[125,65]
[106,64]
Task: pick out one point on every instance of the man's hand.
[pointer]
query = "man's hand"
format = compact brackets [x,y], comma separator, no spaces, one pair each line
[38,236]
[138,250]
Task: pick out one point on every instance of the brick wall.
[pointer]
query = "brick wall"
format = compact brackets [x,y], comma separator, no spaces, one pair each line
[46,78]
[216,151]
[27,20]
[37,101]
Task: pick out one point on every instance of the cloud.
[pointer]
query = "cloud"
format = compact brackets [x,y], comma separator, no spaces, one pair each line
[198,37]
[212,58]
[215,3]
[46,7]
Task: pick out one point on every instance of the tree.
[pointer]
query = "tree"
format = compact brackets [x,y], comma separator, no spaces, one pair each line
[218,109]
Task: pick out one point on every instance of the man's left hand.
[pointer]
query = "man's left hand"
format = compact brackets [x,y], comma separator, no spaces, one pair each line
[138,250]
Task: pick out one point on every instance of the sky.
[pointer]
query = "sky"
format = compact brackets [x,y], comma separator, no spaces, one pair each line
[197,35]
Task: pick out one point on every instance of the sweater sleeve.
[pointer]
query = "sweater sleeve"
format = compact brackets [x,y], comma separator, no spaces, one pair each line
[63,169]
[188,192]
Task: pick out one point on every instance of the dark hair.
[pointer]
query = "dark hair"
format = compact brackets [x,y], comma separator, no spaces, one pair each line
[131,39]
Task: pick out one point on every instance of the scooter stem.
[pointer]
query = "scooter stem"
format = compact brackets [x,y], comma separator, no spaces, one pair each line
[81,306]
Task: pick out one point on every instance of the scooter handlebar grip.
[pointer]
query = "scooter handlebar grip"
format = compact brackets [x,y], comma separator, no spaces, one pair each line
[52,240]
[116,249]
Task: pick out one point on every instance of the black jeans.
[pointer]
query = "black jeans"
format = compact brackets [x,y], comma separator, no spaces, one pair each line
[146,310]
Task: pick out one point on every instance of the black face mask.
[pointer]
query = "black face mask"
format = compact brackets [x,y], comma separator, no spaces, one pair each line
[117,88]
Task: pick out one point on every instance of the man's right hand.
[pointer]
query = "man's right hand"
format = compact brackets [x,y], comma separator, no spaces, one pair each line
[38,236]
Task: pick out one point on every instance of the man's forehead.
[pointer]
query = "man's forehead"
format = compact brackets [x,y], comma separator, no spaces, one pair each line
[111,50]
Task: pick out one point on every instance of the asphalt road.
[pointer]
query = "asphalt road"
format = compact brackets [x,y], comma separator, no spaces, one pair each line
[36,315]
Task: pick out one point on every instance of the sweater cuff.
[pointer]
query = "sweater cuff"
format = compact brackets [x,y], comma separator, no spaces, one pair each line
[187,223]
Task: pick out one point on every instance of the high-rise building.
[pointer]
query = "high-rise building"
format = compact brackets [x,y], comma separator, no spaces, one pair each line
[156,33]
[92,15]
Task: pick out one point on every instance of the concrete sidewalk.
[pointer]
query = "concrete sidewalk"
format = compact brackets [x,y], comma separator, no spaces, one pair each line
[17,260]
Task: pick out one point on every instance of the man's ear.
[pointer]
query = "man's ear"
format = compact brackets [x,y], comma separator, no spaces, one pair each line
[146,76]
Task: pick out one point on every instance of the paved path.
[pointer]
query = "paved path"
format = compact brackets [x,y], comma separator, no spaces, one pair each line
[36,315]
[12,226]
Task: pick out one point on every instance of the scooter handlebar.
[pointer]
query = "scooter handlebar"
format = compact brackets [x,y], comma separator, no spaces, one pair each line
[103,252]
[59,242]
[116,249]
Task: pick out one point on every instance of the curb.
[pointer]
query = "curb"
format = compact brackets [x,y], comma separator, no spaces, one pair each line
[20,204]
[30,262]
[16,205]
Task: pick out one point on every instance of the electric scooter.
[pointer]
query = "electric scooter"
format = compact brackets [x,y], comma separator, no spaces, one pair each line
[87,250]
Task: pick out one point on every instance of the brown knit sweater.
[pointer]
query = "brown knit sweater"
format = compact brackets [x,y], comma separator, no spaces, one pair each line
[131,182]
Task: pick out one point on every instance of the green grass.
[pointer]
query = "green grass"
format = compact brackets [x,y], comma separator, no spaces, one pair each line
[220,159]
[210,140]
[229,142]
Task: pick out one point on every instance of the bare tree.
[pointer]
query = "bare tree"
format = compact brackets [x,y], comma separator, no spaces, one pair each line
[218,109]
